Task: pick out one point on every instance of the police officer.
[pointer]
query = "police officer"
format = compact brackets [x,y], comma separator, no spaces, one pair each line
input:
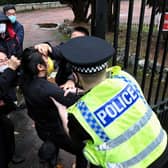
[112,117]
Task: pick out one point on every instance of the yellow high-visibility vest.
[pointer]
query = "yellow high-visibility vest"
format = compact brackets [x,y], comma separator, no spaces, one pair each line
[125,131]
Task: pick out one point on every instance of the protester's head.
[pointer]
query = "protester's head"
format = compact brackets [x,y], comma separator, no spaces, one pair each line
[3,61]
[33,62]
[89,57]
[10,11]
[79,31]
[3,22]
[3,58]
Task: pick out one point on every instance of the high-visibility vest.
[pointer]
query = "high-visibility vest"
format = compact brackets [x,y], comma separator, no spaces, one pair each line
[125,131]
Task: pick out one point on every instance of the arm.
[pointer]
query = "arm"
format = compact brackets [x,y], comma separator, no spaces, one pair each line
[9,74]
[62,113]
[48,50]
[20,33]
[5,79]
[70,124]
[57,93]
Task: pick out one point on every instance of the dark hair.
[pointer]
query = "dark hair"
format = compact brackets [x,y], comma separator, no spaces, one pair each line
[30,59]
[81,29]
[8,7]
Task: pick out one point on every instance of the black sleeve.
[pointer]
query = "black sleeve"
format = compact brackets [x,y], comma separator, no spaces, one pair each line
[56,54]
[5,80]
[53,90]
[64,68]
[79,135]
[64,72]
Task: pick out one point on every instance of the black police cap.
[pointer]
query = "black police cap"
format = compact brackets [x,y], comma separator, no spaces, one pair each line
[87,54]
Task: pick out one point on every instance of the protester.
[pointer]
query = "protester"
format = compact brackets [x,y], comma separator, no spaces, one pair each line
[8,94]
[112,117]
[79,31]
[10,11]
[12,39]
[8,39]
[7,77]
[37,91]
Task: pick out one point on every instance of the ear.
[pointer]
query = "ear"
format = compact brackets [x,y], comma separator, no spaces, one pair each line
[41,67]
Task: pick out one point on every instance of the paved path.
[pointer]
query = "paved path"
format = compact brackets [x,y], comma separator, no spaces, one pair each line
[30,20]
[33,34]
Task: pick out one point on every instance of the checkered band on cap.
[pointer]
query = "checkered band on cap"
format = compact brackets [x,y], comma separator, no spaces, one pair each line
[89,70]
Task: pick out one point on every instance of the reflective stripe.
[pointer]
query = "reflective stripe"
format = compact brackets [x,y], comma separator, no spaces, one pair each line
[127,134]
[133,84]
[88,116]
[150,148]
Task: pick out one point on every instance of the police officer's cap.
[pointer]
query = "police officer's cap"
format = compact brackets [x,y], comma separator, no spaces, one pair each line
[87,54]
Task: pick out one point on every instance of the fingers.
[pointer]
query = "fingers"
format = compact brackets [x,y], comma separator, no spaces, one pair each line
[43,48]
[68,85]
[72,90]
[65,87]
[13,62]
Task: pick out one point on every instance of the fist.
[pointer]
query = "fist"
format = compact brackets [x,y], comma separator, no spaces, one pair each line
[13,62]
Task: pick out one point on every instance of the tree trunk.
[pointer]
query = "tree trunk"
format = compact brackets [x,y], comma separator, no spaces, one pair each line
[110,16]
[80,10]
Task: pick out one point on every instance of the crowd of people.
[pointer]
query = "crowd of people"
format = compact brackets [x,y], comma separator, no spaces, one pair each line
[11,48]
[99,116]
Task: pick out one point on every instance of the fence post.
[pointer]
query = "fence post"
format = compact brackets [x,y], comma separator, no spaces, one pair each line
[99,18]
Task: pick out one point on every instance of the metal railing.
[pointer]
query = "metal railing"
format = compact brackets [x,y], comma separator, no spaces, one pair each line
[152,74]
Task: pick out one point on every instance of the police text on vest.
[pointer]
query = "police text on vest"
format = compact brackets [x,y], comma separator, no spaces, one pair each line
[116,106]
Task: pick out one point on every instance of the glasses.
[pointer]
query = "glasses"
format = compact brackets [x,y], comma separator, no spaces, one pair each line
[11,13]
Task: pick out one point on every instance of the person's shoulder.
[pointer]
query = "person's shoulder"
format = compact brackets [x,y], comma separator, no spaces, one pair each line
[44,83]
[18,24]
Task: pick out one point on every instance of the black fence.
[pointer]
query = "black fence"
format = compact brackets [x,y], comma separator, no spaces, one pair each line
[141,45]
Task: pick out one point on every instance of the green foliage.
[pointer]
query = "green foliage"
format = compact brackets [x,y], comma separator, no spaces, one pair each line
[2,2]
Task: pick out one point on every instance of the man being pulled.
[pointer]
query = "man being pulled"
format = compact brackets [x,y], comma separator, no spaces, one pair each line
[37,91]
[112,117]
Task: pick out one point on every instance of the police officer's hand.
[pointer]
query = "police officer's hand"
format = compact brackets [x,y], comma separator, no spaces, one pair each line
[75,90]
[13,63]
[69,84]
[43,48]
